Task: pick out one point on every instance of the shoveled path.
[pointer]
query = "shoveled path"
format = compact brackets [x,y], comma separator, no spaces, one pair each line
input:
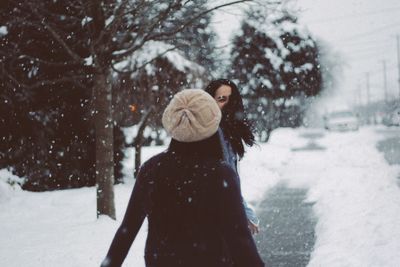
[287,221]
[287,228]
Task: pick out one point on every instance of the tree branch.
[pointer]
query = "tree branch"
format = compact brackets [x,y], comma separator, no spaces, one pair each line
[149,35]
[147,31]
[143,65]
[118,18]
[201,14]
[56,36]
[50,63]
[142,126]
[45,82]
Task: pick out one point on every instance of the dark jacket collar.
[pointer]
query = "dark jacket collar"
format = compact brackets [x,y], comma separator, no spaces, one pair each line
[209,148]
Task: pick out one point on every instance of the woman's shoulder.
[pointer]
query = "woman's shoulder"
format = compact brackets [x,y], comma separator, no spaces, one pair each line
[224,173]
[153,163]
[226,169]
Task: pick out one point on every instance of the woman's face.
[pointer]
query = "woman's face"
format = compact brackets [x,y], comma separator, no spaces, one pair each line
[222,95]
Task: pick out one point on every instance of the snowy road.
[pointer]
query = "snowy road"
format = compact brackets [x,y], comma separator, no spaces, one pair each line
[341,182]
[390,144]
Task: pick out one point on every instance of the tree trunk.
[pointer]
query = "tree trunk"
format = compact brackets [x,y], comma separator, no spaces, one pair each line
[271,119]
[138,158]
[138,142]
[104,144]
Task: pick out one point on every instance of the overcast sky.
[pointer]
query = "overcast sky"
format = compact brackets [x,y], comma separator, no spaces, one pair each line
[362,31]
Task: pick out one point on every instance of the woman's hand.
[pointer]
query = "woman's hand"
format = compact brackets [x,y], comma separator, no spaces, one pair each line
[253,228]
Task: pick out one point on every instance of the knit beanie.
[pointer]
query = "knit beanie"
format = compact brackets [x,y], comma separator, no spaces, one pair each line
[192,115]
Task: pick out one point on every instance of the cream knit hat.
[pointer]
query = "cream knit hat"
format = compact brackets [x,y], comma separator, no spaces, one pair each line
[192,115]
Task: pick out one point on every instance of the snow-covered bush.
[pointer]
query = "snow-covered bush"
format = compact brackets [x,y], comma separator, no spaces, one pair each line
[9,183]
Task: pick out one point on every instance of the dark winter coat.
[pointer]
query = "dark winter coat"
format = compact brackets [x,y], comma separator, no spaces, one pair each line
[194,210]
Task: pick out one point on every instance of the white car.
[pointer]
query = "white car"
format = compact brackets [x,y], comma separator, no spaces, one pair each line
[392,118]
[341,121]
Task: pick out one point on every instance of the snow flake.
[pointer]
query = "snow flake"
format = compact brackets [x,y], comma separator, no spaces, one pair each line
[3,31]
[86,20]
[109,20]
[89,61]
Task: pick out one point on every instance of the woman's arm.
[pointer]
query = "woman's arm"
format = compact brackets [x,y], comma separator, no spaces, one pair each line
[252,218]
[133,219]
[234,224]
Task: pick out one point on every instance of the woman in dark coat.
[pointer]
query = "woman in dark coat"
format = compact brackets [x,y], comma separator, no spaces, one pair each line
[190,197]
[235,131]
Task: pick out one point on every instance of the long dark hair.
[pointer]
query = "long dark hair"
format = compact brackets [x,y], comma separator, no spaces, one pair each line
[235,125]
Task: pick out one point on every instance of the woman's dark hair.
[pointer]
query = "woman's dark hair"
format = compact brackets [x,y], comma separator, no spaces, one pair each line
[236,127]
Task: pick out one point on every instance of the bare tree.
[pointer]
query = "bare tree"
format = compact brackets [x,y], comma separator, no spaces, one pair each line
[114,31]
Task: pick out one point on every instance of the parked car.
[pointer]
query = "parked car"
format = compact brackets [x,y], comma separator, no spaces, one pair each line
[392,118]
[343,120]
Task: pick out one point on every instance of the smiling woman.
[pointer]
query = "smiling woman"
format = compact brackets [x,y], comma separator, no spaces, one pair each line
[222,95]
[234,130]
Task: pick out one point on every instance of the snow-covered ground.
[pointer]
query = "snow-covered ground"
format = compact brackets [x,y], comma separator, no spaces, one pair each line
[357,200]
[354,191]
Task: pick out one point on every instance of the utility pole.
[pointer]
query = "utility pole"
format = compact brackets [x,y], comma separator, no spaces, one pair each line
[385,81]
[368,98]
[398,60]
[355,98]
[358,95]
[358,101]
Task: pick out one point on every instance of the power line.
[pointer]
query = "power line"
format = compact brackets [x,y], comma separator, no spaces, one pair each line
[369,54]
[397,24]
[358,60]
[385,40]
[398,59]
[386,10]
[364,49]
[375,72]
[366,54]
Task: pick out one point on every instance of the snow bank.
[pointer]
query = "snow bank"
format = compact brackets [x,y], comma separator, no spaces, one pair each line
[356,200]
[9,184]
[60,228]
